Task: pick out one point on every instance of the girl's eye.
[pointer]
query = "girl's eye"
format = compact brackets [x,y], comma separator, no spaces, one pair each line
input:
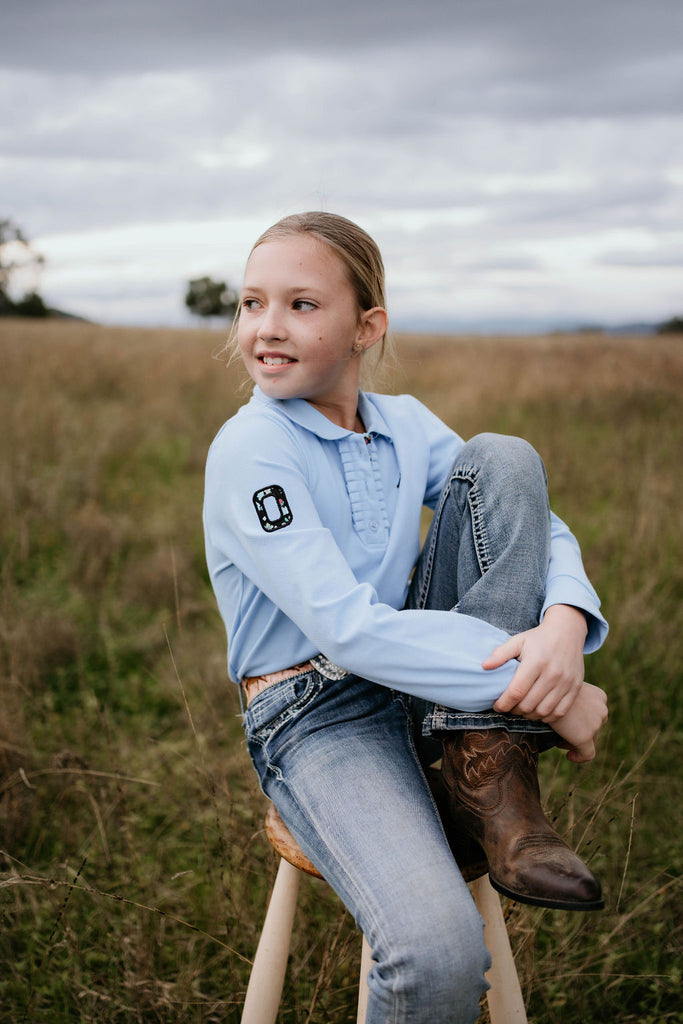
[250,304]
[303,304]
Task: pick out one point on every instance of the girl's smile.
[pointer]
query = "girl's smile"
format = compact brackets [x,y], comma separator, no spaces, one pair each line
[275,360]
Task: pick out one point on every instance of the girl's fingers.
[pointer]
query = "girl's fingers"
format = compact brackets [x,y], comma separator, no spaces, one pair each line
[512,648]
[521,685]
[579,755]
[554,705]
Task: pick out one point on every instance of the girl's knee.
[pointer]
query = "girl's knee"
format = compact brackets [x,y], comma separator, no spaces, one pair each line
[455,977]
[503,457]
[438,976]
[487,446]
[461,959]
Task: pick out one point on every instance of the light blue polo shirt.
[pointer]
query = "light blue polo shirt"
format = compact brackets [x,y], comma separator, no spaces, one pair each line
[312,532]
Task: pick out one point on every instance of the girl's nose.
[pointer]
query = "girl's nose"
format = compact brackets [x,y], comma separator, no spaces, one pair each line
[271,325]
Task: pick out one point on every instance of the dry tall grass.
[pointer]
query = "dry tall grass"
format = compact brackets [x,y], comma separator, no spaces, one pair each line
[134,866]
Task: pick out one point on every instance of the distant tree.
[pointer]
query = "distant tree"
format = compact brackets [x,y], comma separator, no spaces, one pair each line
[672,326]
[31,305]
[206,297]
[16,257]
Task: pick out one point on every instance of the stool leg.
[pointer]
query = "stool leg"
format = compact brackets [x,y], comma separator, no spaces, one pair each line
[363,990]
[270,963]
[506,1005]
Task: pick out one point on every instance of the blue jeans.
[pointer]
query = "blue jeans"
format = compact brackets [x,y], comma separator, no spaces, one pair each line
[339,758]
[486,555]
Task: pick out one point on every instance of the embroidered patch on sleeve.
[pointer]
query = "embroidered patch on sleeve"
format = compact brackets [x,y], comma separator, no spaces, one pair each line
[272,508]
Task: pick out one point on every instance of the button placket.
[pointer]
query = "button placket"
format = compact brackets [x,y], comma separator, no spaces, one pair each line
[364,487]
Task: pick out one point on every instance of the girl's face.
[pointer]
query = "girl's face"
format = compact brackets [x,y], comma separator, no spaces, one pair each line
[300,330]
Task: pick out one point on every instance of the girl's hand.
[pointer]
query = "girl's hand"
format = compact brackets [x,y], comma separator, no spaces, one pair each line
[582,723]
[550,672]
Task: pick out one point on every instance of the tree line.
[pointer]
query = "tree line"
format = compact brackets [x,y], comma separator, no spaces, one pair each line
[204,296]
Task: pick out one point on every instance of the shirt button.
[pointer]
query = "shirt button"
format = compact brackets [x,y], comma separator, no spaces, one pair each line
[374,526]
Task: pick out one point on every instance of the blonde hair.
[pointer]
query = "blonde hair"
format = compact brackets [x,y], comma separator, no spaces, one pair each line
[359,254]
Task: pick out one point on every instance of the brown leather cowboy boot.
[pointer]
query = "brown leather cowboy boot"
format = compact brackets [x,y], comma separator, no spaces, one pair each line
[492,781]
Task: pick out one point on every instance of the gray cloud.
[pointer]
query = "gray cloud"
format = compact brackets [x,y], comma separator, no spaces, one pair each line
[643,258]
[530,58]
[470,137]
[504,262]
[211,31]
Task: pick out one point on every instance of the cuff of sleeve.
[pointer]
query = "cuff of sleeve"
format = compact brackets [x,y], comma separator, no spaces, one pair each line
[567,590]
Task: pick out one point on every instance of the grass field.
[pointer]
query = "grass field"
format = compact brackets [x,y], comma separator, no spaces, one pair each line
[134,870]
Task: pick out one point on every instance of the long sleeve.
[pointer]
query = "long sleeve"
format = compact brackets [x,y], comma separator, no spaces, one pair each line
[567,583]
[311,535]
[294,560]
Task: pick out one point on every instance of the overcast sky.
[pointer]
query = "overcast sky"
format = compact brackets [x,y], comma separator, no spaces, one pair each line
[517,160]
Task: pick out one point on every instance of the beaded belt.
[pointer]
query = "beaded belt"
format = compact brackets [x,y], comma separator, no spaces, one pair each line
[251,685]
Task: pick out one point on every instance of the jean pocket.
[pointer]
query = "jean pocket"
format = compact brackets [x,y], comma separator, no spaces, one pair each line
[279,704]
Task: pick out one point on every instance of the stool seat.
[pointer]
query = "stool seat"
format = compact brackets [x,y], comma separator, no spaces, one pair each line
[284,843]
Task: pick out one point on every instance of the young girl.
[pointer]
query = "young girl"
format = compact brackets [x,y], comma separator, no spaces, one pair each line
[350,671]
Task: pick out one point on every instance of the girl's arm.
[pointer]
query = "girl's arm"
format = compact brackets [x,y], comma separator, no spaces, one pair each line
[303,575]
[568,584]
[551,669]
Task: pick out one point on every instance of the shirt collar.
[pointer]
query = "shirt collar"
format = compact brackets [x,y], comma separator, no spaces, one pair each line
[307,416]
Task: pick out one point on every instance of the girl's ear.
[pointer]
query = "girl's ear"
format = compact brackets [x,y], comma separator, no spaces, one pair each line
[373,326]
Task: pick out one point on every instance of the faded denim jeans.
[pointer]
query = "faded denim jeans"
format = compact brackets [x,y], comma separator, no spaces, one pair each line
[486,555]
[339,759]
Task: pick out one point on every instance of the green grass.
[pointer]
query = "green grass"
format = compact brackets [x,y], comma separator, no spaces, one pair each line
[134,870]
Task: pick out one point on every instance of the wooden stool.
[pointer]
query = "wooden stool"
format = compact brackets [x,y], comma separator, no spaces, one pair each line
[264,991]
